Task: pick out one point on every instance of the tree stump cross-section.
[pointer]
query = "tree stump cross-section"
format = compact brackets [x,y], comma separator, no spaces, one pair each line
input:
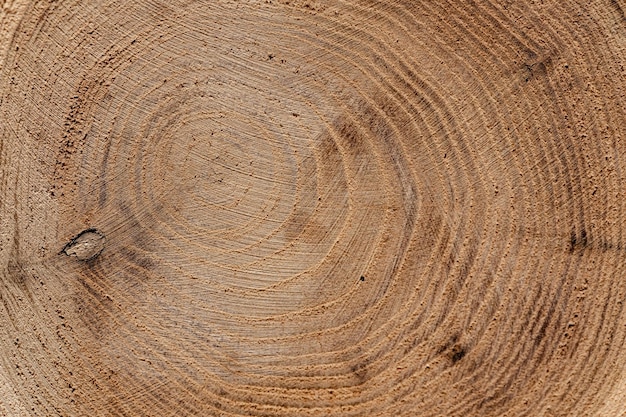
[312,208]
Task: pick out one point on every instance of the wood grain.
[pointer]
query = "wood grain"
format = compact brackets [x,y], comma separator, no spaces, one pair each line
[312,208]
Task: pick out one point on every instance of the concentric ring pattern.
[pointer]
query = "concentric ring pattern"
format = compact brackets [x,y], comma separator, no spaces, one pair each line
[347,208]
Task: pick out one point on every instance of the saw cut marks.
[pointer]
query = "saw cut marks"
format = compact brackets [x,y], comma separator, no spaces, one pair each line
[304,208]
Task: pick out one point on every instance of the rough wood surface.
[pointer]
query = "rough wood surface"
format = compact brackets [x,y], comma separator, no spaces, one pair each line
[312,208]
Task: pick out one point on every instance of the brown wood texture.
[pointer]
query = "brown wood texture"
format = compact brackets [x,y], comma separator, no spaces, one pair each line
[312,208]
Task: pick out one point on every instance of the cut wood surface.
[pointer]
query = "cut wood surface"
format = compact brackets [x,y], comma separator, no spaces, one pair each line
[312,208]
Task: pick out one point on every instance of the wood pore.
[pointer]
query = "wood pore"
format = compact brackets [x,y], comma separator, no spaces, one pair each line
[312,208]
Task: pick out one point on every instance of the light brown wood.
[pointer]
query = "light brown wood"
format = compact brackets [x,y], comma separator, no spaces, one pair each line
[312,208]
